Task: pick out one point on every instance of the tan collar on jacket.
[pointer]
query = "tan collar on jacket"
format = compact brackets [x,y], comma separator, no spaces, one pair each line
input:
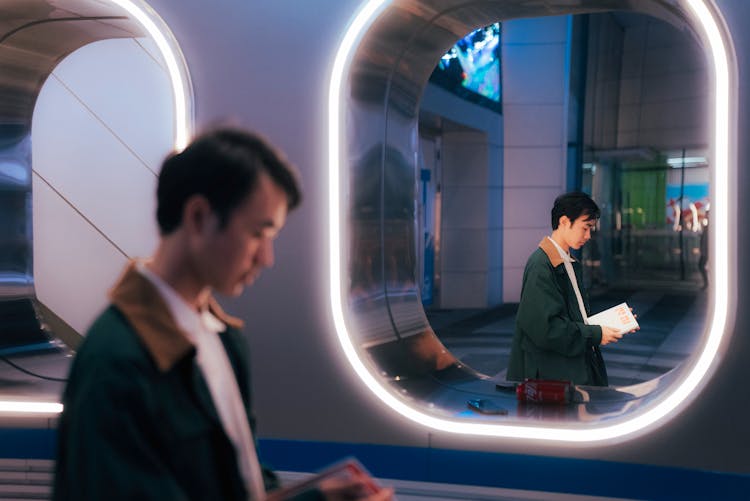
[552,254]
[137,298]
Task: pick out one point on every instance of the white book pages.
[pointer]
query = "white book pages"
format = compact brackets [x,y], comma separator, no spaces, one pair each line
[620,317]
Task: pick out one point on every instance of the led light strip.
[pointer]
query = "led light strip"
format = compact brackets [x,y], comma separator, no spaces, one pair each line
[362,20]
[183,126]
[176,66]
[704,19]
[30,407]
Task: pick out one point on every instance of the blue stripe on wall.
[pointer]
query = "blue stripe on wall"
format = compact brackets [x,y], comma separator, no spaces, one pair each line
[19,443]
[510,471]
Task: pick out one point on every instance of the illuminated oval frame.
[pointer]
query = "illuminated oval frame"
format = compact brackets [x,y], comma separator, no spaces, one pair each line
[182,93]
[708,24]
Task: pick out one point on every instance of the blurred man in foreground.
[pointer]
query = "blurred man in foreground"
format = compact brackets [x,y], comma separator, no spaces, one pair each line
[157,405]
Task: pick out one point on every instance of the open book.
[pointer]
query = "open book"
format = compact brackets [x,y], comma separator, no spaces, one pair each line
[346,469]
[620,317]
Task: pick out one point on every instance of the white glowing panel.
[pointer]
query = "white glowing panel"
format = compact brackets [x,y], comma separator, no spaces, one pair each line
[11,406]
[708,26]
[179,131]
[175,62]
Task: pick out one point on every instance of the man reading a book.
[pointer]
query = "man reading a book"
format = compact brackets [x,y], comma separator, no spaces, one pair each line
[552,338]
[158,401]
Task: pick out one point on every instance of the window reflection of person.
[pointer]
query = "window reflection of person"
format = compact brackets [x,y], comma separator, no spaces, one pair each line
[552,339]
[382,250]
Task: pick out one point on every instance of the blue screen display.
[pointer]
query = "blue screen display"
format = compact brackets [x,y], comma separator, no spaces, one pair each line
[471,68]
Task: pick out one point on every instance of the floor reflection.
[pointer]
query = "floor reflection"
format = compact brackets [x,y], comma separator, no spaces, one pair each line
[672,322]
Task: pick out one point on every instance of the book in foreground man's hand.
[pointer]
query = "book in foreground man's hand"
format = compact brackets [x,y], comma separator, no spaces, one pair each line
[620,317]
[342,473]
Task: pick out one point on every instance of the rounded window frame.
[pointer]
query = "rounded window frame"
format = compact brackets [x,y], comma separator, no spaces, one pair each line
[705,19]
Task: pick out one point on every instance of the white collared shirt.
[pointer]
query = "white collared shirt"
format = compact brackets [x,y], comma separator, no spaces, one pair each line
[567,260]
[202,328]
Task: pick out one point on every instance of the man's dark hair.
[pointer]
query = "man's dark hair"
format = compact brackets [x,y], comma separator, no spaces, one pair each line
[574,205]
[223,165]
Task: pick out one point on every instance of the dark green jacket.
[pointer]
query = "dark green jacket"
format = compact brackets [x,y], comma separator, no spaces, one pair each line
[551,340]
[138,420]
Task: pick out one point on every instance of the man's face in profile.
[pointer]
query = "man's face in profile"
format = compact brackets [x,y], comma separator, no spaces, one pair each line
[232,257]
[577,233]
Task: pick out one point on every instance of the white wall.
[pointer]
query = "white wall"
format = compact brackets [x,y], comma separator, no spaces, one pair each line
[535,119]
[464,244]
[471,216]
[101,127]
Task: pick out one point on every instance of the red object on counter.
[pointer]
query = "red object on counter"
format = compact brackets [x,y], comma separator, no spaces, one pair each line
[546,391]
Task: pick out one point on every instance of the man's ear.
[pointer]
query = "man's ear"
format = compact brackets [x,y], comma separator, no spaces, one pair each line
[196,214]
[564,221]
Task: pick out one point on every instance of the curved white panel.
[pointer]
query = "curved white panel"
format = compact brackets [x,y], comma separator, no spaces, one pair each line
[103,122]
